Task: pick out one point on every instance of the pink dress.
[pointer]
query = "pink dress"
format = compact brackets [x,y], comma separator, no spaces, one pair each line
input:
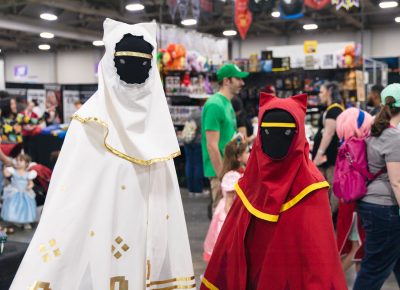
[227,184]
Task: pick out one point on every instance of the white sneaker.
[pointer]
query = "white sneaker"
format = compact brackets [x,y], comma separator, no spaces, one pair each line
[27,227]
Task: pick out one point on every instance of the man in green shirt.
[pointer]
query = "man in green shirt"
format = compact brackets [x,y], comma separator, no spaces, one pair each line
[218,124]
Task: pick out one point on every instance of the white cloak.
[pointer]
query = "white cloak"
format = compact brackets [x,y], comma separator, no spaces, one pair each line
[113,217]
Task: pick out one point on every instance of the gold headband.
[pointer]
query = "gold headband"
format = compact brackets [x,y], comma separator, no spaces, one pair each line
[278,125]
[133,53]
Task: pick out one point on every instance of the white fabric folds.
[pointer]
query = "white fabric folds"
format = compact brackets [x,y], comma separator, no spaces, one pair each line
[113,217]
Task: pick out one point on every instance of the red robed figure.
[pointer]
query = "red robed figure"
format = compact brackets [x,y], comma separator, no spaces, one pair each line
[278,234]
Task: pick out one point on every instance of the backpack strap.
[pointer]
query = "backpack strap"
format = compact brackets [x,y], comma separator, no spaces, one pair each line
[380,172]
[368,175]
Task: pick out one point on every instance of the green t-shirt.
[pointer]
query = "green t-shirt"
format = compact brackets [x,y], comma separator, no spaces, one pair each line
[217,115]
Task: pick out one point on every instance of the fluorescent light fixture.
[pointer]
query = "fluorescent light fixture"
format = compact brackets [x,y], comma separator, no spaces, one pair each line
[44,47]
[310,26]
[98,43]
[276,14]
[189,22]
[48,16]
[134,7]
[46,35]
[397,19]
[229,32]
[388,4]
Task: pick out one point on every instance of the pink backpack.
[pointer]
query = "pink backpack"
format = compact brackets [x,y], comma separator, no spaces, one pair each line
[351,176]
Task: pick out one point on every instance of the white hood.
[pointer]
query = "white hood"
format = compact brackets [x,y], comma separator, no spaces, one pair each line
[137,122]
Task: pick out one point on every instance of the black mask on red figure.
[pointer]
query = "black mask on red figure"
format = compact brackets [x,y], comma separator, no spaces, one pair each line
[278,129]
[133,56]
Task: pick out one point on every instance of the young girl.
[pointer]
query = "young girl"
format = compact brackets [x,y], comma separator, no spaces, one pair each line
[235,159]
[350,235]
[19,205]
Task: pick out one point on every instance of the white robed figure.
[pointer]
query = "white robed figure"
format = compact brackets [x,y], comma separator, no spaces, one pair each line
[113,218]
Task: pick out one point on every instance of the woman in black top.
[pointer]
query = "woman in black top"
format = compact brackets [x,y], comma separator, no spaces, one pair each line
[326,142]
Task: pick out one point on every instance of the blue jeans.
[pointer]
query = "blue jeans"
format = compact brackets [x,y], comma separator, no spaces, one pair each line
[194,167]
[382,245]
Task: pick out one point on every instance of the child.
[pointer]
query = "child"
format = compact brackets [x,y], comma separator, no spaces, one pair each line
[19,205]
[235,158]
[350,234]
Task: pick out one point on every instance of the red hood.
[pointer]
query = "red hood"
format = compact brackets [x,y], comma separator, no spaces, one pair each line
[269,187]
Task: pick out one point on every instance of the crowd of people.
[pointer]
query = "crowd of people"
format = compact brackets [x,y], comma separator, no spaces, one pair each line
[367,230]
[23,183]
[218,140]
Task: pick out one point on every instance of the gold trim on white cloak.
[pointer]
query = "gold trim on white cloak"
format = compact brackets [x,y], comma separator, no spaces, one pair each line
[117,152]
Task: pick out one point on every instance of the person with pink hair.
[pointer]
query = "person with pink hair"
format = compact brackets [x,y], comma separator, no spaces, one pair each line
[352,122]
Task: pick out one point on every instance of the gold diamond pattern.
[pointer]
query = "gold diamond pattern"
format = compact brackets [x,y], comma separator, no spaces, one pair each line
[57,252]
[46,258]
[92,233]
[118,248]
[46,254]
[123,187]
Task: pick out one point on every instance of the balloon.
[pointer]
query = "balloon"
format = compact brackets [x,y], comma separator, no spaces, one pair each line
[317,4]
[291,8]
[261,6]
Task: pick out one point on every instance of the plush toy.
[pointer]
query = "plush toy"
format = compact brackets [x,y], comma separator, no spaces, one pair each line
[195,61]
[349,55]
[178,55]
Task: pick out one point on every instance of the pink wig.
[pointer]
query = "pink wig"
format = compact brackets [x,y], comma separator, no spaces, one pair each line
[351,124]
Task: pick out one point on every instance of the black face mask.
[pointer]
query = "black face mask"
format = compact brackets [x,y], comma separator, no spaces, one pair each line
[132,59]
[278,129]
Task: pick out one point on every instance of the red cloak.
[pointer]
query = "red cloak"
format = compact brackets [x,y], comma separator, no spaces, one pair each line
[346,215]
[278,234]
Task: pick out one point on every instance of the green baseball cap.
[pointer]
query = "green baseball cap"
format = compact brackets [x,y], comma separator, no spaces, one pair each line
[392,90]
[231,71]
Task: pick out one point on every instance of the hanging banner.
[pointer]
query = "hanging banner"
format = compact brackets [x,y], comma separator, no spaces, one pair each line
[243,17]
[346,4]
[183,7]
[196,9]
[317,4]
[360,86]
[310,46]
[39,96]
[69,99]
[172,7]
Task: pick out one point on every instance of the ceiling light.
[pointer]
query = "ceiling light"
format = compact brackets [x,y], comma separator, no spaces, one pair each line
[134,7]
[46,35]
[388,4]
[276,14]
[310,26]
[229,32]
[189,22]
[98,43]
[48,16]
[44,47]
[397,19]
